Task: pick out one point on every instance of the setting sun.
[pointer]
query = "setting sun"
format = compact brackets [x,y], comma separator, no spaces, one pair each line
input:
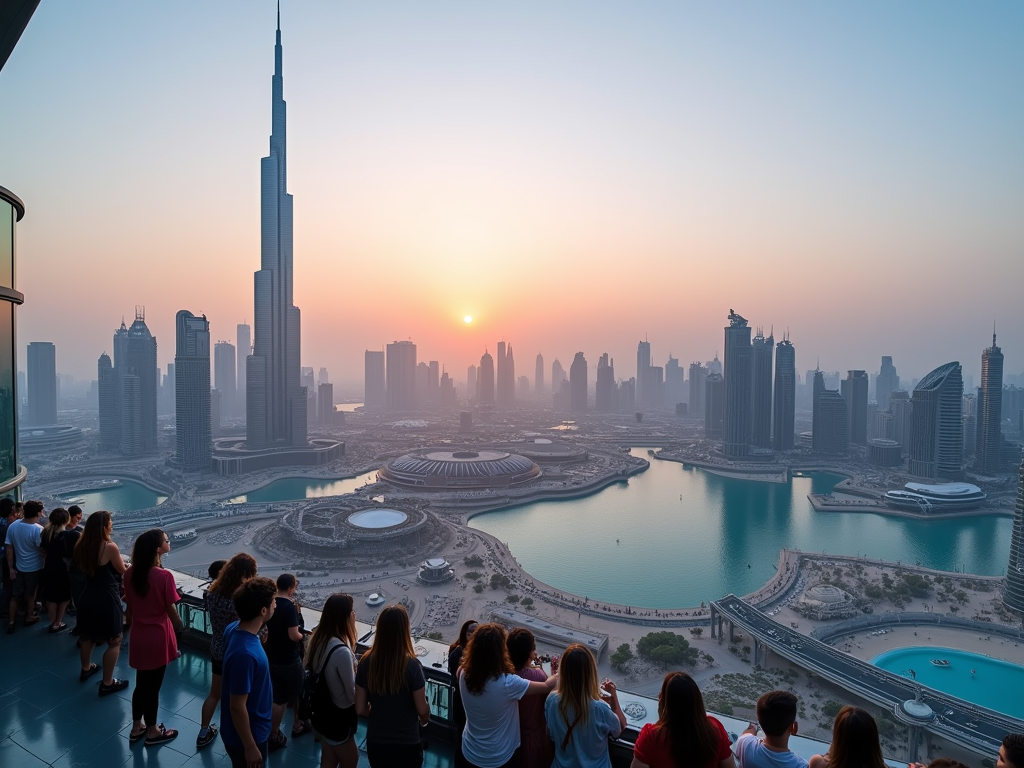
[467,319]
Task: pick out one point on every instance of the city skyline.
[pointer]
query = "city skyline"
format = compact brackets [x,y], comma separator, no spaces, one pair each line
[520,187]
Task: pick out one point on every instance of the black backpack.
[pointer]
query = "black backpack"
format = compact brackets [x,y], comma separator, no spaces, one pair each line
[317,706]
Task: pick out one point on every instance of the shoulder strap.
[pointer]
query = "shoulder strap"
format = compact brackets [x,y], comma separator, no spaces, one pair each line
[568,733]
[328,658]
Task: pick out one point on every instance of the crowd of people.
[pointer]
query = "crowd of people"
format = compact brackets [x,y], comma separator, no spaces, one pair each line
[508,712]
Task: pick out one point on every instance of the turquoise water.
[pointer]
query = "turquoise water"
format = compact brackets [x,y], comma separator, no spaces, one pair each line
[686,536]
[995,684]
[127,497]
[298,488]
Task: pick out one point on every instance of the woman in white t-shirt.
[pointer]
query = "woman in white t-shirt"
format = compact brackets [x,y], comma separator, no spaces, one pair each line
[491,691]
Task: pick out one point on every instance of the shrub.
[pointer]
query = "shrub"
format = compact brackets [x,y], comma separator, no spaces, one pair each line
[621,656]
[499,581]
[474,561]
[667,648]
[512,599]
[526,602]
[478,588]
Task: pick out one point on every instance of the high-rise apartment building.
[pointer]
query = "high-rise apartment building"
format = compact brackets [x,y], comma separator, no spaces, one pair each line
[485,380]
[276,405]
[433,382]
[854,389]
[737,420]
[698,376]
[135,370]
[110,414]
[936,429]
[243,348]
[325,403]
[606,400]
[192,414]
[1013,588]
[225,369]
[42,384]
[988,459]
[578,384]
[505,376]
[675,383]
[374,386]
[557,376]
[899,407]
[830,430]
[643,374]
[401,376]
[888,381]
[471,386]
[714,405]
[761,376]
[785,396]
[538,376]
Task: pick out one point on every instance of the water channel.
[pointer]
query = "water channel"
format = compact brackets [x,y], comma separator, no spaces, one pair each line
[123,498]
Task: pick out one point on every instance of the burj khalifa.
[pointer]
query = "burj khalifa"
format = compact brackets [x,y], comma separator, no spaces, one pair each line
[275,401]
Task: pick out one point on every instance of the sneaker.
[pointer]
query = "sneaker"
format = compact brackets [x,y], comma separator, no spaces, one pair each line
[211,735]
[115,686]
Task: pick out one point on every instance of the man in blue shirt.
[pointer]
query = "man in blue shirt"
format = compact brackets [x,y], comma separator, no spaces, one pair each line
[246,695]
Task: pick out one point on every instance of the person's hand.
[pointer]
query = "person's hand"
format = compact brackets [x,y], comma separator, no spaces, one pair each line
[253,757]
[609,686]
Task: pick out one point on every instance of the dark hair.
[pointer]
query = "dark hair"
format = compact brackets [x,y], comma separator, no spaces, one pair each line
[388,659]
[486,657]
[1013,743]
[285,582]
[334,622]
[55,525]
[520,643]
[776,712]
[215,568]
[237,570]
[683,725]
[855,740]
[74,510]
[32,509]
[145,557]
[6,506]
[464,634]
[87,551]
[253,596]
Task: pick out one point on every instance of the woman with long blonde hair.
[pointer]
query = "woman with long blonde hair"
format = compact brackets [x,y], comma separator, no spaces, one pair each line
[582,714]
[391,693]
[331,653]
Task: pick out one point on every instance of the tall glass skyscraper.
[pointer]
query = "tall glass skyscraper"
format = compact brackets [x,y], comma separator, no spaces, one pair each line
[737,420]
[1013,591]
[937,429]
[990,400]
[192,390]
[275,398]
[785,394]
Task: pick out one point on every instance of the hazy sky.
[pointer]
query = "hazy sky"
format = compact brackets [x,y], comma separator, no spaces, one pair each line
[574,175]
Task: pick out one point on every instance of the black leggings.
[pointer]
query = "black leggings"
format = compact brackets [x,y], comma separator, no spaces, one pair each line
[146,696]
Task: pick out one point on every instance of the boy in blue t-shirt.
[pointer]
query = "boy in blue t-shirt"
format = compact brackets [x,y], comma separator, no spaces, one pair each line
[246,695]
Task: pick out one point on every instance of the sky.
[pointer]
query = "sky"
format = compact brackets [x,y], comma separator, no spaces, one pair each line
[573,176]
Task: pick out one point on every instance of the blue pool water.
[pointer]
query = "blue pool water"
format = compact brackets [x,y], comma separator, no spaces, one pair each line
[125,498]
[675,536]
[298,488]
[995,684]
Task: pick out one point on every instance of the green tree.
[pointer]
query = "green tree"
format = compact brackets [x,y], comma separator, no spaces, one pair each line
[512,599]
[473,575]
[526,602]
[474,561]
[696,632]
[478,588]
[667,648]
[498,581]
[621,657]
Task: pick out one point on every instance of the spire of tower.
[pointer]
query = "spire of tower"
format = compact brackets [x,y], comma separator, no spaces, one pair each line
[993,334]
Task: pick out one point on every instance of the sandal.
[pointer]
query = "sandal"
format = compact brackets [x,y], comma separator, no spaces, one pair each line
[304,727]
[133,737]
[166,734]
[29,622]
[277,741]
[58,628]
[85,674]
[115,686]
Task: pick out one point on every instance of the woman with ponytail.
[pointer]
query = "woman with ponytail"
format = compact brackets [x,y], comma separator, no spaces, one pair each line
[56,579]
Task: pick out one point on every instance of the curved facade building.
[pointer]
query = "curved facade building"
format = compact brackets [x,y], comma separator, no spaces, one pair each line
[936,427]
[943,497]
[453,470]
[12,474]
[1013,591]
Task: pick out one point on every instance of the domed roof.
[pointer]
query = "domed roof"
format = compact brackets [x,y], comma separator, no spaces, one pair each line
[824,593]
[462,463]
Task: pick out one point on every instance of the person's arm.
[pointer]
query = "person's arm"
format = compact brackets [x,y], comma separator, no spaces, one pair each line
[115,559]
[817,761]
[729,762]
[419,700]
[10,559]
[614,704]
[240,718]
[362,702]
[294,633]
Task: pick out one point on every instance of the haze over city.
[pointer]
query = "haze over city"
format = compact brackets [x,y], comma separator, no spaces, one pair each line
[572,178]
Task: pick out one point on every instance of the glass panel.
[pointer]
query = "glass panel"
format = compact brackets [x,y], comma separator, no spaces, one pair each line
[439,696]
[8,434]
[6,244]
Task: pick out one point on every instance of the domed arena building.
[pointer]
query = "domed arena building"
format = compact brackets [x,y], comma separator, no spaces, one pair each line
[823,602]
[447,470]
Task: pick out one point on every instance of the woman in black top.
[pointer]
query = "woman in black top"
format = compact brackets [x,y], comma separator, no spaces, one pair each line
[284,652]
[56,580]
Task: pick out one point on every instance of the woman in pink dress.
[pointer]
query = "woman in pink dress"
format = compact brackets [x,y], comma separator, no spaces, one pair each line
[538,750]
[150,594]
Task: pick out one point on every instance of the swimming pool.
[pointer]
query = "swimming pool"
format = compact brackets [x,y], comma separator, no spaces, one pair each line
[979,679]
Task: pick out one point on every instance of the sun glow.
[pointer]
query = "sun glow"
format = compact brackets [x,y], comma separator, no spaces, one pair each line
[467,319]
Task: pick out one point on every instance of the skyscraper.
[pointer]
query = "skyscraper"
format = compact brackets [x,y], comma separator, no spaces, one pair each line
[471,386]
[761,353]
[243,348]
[605,401]
[989,411]
[675,383]
[737,419]
[325,403]
[192,391]
[888,381]
[830,430]
[401,376]
[374,387]
[936,426]
[225,369]
[110,415]
[136,371]
[538,376]
[1013,589]
[643,367]
[698,375]
[854,389]
[276,409]
[899,407]
[714,405]
[578,384]
[505,377]
[485,380]
[557,376]
[785,395]
[42,384]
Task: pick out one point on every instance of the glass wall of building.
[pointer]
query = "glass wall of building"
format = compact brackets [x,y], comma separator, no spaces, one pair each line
[11,474]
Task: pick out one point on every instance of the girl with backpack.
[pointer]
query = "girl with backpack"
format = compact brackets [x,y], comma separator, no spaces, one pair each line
[331,656]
